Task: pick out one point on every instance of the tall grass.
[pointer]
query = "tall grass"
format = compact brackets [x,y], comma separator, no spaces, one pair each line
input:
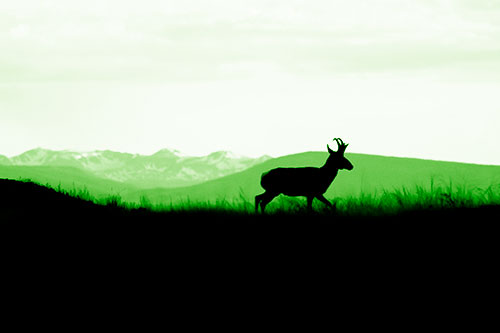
[381,203]
[419,198]
[384,202]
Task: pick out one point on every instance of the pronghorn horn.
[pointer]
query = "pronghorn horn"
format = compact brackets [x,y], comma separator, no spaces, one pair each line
[342,146]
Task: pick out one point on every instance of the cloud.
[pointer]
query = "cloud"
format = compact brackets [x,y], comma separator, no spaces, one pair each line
[198,40]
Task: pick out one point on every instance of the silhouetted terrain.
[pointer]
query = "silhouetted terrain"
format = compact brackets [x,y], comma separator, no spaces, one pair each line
[26,202]
[371,175]
[215,245]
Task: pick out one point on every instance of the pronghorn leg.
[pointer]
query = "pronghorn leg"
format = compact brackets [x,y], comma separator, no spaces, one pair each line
[309,203]
[258,199]
[325,201]
[265,199]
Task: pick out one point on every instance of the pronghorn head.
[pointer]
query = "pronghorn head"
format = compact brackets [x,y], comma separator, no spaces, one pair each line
[336,159]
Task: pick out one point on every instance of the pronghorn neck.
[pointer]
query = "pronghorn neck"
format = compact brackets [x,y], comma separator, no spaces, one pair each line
[329,167]
[329,171]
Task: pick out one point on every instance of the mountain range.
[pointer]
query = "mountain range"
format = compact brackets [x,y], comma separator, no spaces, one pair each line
[165,168]
[169,177]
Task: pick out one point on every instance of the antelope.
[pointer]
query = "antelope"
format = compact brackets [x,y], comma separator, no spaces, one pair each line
[309,182]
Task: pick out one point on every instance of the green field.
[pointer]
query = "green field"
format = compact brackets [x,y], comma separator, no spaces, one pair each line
[373,179]
[387,203]
[377,185]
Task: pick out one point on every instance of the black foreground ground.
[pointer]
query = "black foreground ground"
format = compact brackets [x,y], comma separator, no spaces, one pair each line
[52,239]
[24,204]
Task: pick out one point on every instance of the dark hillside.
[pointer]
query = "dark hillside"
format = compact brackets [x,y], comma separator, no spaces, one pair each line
[29,202]
[41,224]
[26,202]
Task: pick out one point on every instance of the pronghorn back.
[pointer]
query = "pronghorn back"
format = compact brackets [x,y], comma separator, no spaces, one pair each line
[295,181]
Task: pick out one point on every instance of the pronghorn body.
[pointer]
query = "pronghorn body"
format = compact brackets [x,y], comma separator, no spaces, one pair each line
[298,181]
[309,182]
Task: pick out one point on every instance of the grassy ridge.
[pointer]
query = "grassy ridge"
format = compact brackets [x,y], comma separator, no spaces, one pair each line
[368,238]
[385,203]
[435,197]
[371,178]
[408,218]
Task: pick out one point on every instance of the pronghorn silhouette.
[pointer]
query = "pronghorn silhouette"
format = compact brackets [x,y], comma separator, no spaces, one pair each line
[308,182]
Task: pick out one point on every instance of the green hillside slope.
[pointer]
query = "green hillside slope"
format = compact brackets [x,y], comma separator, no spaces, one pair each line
[67,179]
[371,174]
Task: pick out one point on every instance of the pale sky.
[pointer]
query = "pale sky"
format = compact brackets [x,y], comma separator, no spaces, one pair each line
[416,78]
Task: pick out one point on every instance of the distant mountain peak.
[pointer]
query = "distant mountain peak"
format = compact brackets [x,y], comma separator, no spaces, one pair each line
[4,160]
[224,154]
[165,168]
[86,154]
[36,156]
[166,152]
[37,150]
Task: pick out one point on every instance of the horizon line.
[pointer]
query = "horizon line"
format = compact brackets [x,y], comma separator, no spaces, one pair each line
[182,154]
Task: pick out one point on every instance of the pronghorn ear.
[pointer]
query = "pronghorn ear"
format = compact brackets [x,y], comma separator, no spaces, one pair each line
[329,150]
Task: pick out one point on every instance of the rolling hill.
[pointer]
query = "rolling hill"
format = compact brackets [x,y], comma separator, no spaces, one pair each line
[40,224]
[165,168]
[371,174]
